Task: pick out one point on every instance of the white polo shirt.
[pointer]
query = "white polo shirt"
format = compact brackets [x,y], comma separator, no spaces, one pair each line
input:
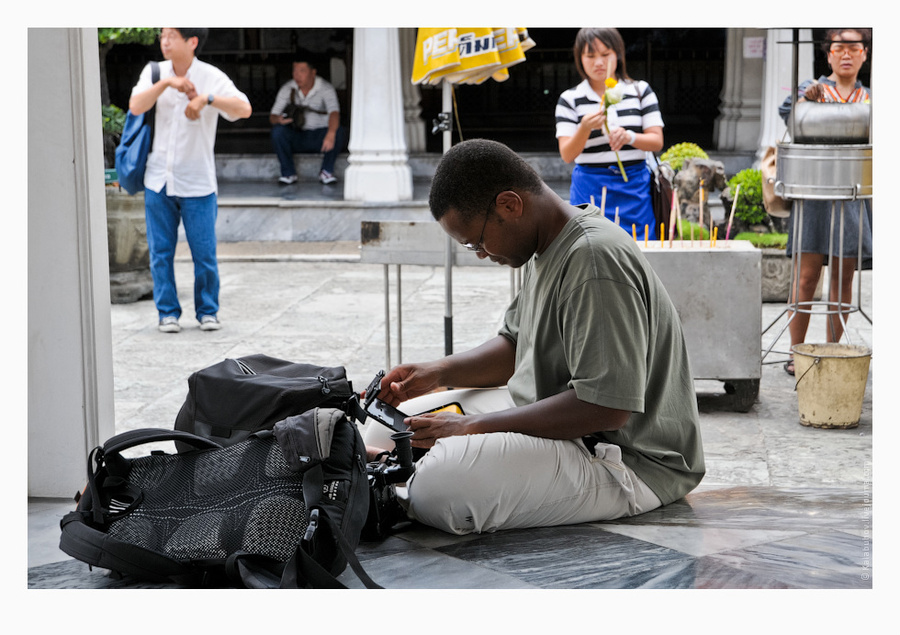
[182,158]
[322,97]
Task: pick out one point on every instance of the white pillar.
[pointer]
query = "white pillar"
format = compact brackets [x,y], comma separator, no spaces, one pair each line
[737,128]
[777,80]
[412,94]
[70,383]
[378,169]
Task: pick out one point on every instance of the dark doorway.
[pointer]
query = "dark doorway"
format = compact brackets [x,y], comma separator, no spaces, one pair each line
[685,67]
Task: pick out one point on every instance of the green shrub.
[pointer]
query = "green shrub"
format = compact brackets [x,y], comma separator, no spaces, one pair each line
[749,208]
[772,240]
[676,154]
[113,120]
[700,233]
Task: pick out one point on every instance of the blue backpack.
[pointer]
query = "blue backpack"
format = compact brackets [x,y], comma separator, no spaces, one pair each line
[135,145]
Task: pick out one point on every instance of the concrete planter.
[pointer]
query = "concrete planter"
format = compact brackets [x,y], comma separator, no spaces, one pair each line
[776,277]
[129,255]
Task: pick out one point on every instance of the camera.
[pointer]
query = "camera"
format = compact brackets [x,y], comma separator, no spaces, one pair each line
[390,469]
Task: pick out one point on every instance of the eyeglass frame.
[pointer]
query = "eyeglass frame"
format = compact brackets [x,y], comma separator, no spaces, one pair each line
[847,45]
[479,246]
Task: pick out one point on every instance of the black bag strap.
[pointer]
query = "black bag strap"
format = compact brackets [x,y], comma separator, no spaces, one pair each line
[109,451]
[151,114]
[301,570]
[141,436]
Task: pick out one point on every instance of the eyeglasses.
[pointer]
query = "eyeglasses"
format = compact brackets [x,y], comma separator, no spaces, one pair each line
[854,48]
[479,246]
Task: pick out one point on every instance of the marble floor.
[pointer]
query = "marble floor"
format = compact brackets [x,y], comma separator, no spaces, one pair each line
[730,538]
[783,506]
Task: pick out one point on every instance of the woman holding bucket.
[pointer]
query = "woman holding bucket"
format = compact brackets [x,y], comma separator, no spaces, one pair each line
[608,145]
[847,49]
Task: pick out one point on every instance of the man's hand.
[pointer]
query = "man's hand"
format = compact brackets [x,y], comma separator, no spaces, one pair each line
[328,141]
[182,85]
[408,381]
[194,107]
[428,428]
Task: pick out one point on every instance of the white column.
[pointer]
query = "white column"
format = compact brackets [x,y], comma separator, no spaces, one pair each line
[737,128]
[412,94]
[378,169]
[70,383]
[777,80]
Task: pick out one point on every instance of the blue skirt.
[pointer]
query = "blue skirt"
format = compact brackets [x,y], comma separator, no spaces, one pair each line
[632,198]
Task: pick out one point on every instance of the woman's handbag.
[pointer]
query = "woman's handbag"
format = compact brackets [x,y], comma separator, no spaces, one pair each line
[774,204]
[661,191]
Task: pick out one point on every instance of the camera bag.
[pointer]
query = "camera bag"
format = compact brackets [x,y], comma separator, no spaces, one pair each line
[281,509]
[230,400]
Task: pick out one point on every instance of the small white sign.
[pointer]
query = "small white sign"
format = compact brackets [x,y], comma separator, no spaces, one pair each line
[754,47]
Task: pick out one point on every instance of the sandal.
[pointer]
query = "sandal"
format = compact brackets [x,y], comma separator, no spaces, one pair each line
[789,367]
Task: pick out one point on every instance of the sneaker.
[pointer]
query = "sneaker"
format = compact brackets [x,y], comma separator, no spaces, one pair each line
[326,177]
[210,323]
[287,180]
[169,324]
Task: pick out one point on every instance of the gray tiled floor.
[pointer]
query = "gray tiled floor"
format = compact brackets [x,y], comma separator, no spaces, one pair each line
[782,506]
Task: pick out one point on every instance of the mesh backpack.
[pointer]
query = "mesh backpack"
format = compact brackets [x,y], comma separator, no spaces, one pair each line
[283,508]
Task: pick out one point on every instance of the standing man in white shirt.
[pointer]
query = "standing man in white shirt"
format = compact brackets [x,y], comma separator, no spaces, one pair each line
[180,180]
[315,100]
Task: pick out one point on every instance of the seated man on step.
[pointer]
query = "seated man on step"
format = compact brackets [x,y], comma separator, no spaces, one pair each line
[306,118]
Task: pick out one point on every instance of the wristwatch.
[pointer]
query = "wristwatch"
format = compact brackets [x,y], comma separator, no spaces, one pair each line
[209,99]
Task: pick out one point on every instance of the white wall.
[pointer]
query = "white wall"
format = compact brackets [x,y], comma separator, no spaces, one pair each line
[70,385]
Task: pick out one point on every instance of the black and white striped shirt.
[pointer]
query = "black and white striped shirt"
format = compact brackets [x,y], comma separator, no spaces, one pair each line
[638,110]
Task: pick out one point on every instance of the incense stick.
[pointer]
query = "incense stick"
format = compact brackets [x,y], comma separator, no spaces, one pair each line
[737,192]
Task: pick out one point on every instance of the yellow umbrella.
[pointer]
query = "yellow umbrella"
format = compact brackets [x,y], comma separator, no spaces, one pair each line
[468,55]
[456,55]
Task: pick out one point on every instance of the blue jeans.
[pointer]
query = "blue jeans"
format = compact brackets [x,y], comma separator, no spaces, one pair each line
[163,213]
[288,141]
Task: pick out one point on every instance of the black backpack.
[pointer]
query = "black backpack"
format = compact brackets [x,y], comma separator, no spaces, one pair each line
[283,508]
[230,400]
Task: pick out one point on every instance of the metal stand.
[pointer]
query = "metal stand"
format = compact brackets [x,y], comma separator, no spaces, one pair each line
[831,306]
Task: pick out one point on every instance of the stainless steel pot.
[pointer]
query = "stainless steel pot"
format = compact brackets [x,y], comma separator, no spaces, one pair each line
[825,172]
[831,123]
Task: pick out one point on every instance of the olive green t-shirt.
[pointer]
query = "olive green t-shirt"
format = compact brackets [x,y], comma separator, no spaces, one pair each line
[592,316]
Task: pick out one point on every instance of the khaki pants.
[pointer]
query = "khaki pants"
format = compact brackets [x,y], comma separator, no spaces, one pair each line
[504,480]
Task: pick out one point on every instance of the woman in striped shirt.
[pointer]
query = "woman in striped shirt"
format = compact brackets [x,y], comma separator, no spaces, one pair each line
[847,50]
[635,127]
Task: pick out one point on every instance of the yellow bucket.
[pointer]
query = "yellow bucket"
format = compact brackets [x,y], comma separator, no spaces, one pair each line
[831,383]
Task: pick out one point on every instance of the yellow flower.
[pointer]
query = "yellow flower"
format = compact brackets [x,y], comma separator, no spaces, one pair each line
[611,82]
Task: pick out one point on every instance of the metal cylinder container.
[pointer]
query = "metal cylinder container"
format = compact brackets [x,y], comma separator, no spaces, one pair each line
[824,172]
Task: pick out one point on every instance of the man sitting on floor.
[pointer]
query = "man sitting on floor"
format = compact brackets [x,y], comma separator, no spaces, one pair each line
[597,418]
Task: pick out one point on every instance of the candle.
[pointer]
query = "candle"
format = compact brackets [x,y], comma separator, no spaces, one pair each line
[617,214]
[715,236]
[634,231]
[646,231]
[603,201]
[662,234]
